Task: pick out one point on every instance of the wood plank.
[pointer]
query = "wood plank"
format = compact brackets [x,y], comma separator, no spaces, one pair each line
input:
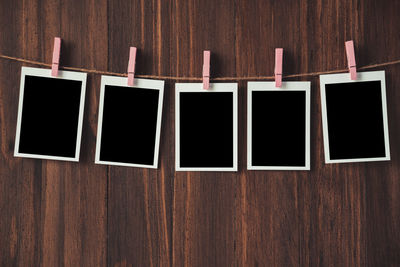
[204,203]
[332,200]
[21,181]
[57,210]
[140,215]
[268,201]
[382,182]
[83,28]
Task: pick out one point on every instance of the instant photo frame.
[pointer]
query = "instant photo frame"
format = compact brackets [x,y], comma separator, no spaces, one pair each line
[50,114]
[278,126]
[206,129]
[129,124]
[354,117]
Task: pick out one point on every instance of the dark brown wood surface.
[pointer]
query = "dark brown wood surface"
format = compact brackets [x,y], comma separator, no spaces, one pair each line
[82,214]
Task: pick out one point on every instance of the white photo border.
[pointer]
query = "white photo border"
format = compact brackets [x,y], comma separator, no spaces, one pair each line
[67,75]
[345,78]
[214,87]
[286,87]
[140,84]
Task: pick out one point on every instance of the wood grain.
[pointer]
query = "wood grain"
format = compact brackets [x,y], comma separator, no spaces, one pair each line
[82,214]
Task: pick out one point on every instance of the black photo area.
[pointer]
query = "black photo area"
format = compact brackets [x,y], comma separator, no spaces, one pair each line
[128,133]
[278,128]
[206,129]
[50,115]
[355,120]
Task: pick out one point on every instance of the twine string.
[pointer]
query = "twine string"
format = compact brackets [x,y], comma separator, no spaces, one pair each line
[177,78]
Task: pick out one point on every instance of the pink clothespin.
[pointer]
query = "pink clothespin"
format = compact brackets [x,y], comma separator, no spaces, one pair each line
[56,56]
[206,70]
[278,66]
[131,65]
[351,59]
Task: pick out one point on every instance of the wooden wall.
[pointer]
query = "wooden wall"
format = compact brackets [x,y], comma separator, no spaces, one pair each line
[82,214]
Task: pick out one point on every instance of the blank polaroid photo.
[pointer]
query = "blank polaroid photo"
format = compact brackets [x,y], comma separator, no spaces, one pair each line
[129,123]
[50,114]
[206,127]
[278,126]
[354,117]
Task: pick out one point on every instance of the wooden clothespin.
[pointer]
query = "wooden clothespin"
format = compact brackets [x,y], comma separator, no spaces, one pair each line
[56,57]
[131,65]
[278,66]
[206,69]
[351,59]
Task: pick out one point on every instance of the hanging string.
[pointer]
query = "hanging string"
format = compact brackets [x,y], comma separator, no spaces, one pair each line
[163,77]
